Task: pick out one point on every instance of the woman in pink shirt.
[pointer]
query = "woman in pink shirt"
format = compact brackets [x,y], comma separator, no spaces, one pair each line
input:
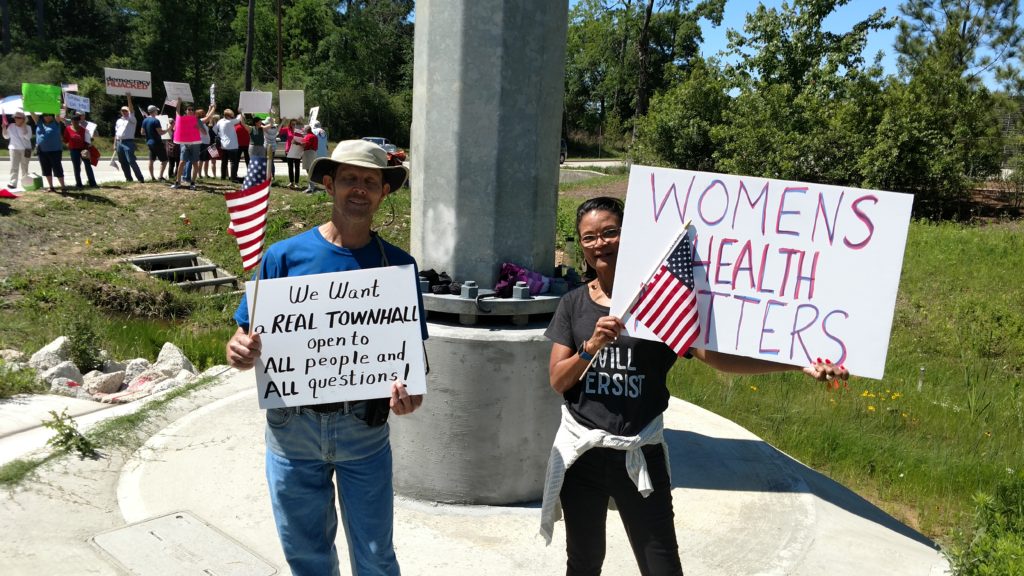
[186,134]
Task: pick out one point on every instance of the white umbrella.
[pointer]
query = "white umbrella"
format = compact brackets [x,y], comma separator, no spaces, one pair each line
[11,104]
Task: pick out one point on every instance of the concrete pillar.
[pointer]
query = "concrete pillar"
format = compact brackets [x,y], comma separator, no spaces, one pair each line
[487,109]
[487,113]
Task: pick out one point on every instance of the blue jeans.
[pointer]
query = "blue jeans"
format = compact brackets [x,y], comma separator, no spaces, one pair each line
[126,156]
[305,450]
[76,161]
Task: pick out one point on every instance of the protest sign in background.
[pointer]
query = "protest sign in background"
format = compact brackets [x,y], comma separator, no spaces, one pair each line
[293,103]
[134,82]
[337,337]
[784,271]
[41,98]
[76,102]
[254,102]
[178,90]
[314,114]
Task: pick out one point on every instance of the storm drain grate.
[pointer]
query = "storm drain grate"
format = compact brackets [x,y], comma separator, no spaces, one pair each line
[179,544]
[190,270]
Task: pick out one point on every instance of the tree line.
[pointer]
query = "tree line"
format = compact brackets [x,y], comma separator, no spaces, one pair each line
[796,101]
[791,99]
[353,58]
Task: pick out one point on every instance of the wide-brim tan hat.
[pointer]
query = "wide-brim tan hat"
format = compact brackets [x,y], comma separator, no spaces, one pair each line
[359,153]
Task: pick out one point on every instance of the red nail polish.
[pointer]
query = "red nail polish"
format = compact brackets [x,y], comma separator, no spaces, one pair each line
[827,361]
[819,360]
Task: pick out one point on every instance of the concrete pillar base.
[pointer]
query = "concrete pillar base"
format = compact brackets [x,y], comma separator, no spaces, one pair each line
[485,429]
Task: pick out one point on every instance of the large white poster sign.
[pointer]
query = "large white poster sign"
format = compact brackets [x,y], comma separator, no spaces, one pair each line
[293,103]
[254,102]
[178,90]
[134,82]
[784,271]
[76,102]
[338,337]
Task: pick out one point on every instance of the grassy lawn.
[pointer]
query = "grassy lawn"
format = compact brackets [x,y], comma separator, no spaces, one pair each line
[947,420]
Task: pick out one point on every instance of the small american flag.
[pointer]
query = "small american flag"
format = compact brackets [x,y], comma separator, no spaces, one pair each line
[248,212]
[668,305]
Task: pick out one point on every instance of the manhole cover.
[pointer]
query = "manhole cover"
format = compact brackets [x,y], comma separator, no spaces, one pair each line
[190,270]
[179,543]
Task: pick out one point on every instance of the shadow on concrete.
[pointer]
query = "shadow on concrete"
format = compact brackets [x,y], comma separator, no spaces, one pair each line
[708,463]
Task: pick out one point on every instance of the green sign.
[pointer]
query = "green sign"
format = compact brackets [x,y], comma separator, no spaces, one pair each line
[41,98]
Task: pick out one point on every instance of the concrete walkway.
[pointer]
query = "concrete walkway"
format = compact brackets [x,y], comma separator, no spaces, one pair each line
[741,507]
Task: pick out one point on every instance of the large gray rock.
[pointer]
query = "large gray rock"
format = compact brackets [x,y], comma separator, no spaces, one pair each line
[65,387]
[172,360]
[110,366]
[180,379]
[98,382]
[66,370]
[50,355]
[135,367]
[9,356]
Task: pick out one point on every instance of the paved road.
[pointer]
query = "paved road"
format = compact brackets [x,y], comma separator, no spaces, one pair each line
[103,171]
[578,164]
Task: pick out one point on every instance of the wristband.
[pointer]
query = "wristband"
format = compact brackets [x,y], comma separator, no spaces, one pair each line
[584,355]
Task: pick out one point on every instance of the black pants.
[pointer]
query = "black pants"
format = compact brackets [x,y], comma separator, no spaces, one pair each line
[294,170]
[598,474]
[231,156]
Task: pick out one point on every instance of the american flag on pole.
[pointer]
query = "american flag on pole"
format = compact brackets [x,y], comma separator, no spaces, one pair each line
[668,305]
[248,212]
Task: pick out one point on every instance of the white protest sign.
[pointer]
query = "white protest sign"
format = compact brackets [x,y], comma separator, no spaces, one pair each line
[254,102]
[76,102]
[293,103]
[134,82]
[338,337]
[178,90]
[90,128]
[314,112]
[783,271]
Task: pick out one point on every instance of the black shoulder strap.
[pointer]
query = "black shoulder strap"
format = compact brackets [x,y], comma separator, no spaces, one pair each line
[380,246]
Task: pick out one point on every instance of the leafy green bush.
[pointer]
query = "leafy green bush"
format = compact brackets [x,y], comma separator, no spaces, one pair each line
[83,347]
[66,436]
[996,544]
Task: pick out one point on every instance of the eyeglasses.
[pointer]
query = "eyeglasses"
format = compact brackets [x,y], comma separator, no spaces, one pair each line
[608,235]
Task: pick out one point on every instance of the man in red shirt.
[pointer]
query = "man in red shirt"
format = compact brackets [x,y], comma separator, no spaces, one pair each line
[242,131]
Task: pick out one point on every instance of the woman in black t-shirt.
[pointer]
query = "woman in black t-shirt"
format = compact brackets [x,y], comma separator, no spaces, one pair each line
[610,443]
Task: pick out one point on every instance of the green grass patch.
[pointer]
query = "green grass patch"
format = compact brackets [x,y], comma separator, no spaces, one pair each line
[947,419]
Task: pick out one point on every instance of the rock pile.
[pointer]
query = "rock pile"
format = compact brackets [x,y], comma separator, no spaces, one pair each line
[114,382]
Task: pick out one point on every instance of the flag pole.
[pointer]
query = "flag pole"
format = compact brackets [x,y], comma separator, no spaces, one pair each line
[639,291]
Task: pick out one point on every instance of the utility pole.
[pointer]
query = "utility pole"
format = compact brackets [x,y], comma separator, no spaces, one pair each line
[280,78]
[249,45]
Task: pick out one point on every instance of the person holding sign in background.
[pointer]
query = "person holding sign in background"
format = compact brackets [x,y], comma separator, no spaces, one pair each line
[50,145]
[77,138]
[124,135]
[153,130]
[610,444]
[19,143]
[306,446]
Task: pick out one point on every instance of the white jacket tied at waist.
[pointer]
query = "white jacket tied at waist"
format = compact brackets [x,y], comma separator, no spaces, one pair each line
[573,439]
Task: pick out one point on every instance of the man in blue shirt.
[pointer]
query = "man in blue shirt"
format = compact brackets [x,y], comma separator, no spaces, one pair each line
[157,151]
[306,446]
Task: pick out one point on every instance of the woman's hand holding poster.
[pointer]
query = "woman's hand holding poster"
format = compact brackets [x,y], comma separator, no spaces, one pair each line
[783,271]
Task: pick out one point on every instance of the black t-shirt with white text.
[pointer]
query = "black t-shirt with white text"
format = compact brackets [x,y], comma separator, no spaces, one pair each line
[624,389]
